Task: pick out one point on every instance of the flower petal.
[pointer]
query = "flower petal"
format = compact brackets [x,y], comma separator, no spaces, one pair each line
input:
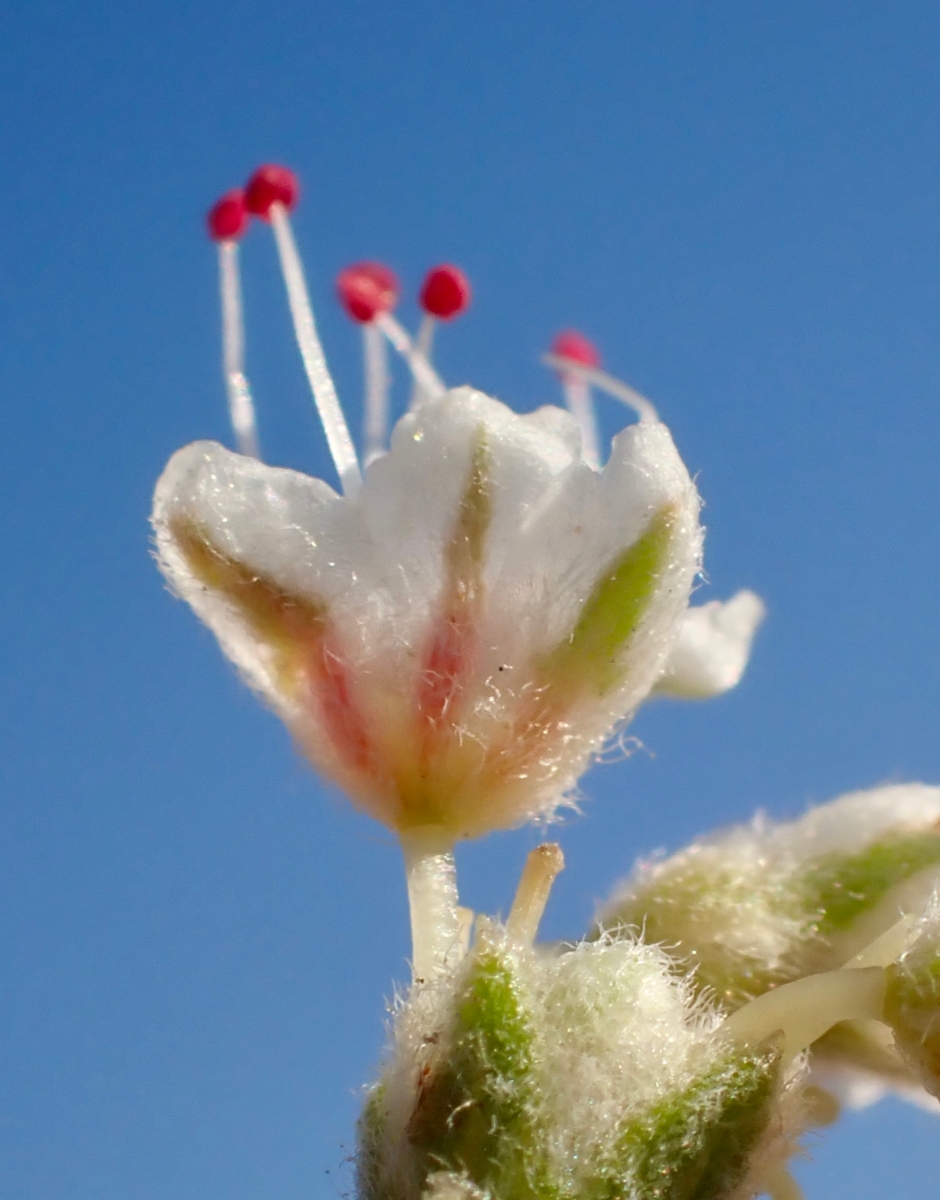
[713,648]
[453,643]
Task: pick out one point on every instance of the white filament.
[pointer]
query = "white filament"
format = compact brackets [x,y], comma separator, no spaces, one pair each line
[375,423]
[423,344]
[311,351]
[539,873]
[581,406]
[606,383]
[240,405]
[424,374]
[432,898]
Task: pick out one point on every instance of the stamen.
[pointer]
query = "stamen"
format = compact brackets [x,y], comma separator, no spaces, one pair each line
[578,399]
[425,375]
[445,293]
[365,290]
[574,348]
[271,184]
[375,419]
[607,383]
[432,897]
[424,343]
[540,872]
[269,194]
[227,220]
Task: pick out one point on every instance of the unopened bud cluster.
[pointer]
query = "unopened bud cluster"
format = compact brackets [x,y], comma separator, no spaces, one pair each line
[759,906]
[592,1071]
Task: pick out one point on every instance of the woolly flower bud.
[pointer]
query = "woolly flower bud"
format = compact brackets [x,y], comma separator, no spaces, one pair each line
[912,1000]
[765,903]
[451,642]
[591,1072]
[761,905]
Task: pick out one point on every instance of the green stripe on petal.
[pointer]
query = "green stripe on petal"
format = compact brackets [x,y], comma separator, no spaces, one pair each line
[464,553]
[839,889]
[590,655]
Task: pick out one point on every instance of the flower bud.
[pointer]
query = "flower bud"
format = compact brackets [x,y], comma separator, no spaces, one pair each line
[589,1072]
[765,903]
[760,906]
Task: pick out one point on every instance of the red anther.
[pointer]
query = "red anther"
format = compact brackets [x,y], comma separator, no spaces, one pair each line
[445,292]
[228,217]
[367,289]
[271,184]
[571,344]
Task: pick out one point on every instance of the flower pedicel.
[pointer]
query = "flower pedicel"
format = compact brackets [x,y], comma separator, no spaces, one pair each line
[451,639]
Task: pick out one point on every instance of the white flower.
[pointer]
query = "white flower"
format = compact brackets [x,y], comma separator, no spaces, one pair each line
[453,637]
[756,905]
[452,642]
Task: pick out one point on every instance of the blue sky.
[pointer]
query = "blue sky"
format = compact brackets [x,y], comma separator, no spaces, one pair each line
[737,200]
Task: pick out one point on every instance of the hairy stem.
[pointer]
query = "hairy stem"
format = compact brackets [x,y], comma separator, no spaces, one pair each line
[432,898]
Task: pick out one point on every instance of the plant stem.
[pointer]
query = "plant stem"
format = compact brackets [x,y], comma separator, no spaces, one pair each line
[805,1009]
[432,897]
